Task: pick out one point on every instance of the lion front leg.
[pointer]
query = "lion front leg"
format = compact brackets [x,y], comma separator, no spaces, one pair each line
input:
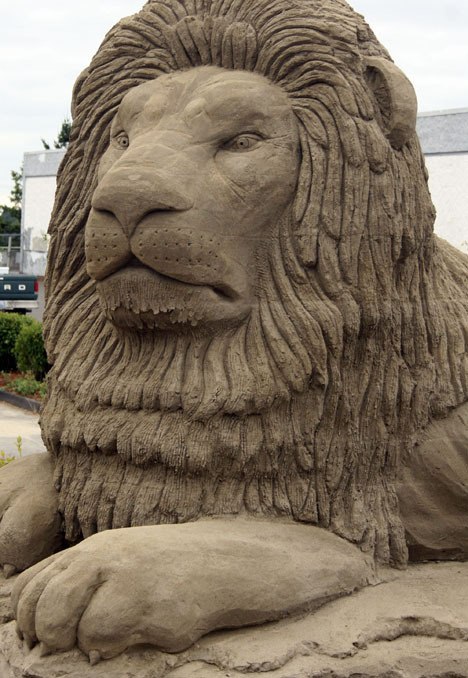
[167,585]
[30,524]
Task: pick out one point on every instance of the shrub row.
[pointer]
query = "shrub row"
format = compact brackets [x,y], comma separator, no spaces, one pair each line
[22,345]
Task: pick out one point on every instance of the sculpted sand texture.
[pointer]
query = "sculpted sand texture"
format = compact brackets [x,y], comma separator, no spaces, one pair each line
[251,324]
[414,625]
[345,353]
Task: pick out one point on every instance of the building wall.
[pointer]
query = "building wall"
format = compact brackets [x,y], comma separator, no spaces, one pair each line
[448,183]
[39,180]
[38,200]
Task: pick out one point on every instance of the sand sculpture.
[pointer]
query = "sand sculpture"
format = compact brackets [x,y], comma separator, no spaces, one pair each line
[253,331]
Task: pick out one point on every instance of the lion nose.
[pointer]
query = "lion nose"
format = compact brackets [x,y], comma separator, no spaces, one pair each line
[131,195]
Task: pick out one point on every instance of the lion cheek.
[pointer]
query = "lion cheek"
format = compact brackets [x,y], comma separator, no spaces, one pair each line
[185,254]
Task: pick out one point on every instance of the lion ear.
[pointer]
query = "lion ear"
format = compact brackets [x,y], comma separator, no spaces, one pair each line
[395,97]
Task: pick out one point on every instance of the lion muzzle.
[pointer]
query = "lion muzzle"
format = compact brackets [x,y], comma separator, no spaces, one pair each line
[141,222]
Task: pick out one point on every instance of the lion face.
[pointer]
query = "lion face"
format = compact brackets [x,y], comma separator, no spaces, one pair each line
[199,167]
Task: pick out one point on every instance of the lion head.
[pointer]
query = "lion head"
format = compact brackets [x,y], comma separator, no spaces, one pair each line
[239,308]
[199,167]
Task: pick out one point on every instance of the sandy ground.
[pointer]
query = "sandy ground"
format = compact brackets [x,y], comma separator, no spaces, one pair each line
[16,422]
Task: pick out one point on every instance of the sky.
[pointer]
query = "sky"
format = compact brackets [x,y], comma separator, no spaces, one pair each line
[44,46]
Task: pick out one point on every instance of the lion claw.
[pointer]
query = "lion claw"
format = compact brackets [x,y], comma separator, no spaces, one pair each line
[29,642]
[94,657]
[9,570]
[44,650]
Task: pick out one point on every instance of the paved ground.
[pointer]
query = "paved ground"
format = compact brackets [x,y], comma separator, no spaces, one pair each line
[16,422]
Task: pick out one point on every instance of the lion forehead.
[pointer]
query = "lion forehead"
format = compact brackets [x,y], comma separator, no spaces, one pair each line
[208,95]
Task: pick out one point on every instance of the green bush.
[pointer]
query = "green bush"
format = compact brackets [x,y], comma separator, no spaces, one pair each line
[10,327]
[29,349]
[27,386]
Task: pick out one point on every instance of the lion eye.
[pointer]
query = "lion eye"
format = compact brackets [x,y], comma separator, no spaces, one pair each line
[243,142]
[122,140]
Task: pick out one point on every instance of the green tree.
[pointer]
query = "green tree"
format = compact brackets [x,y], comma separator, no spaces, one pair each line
[10,215]
[63,136]
[16,193]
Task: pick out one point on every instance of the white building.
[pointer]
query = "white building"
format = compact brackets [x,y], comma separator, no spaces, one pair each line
[39,178]
[444,140]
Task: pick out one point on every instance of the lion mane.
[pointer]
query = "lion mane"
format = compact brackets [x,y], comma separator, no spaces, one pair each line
[307,410]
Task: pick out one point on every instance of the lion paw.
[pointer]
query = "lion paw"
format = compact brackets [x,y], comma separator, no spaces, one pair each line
[30,522]
[103,595]
[167,585]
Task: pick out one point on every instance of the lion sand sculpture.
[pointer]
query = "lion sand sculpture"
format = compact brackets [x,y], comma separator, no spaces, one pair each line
[256,338]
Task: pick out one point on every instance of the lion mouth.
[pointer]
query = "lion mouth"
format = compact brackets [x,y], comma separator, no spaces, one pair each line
[223,290]
[139,297]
